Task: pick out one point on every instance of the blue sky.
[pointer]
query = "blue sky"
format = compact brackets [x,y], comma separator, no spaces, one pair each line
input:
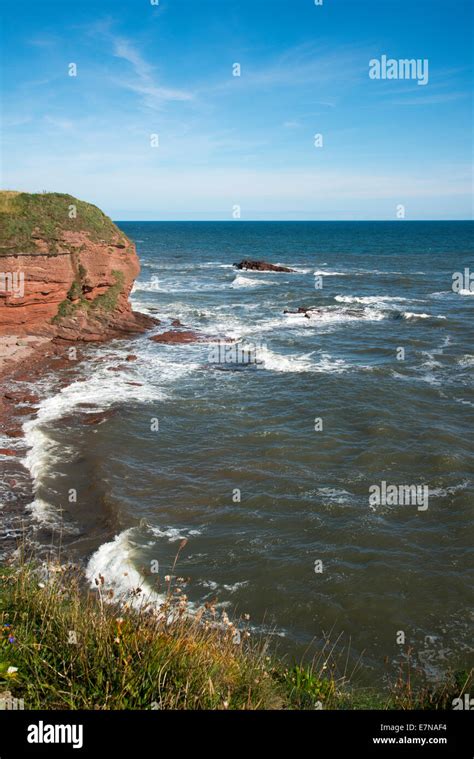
[247,141]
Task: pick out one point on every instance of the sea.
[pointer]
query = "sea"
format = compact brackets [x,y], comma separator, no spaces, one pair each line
[281,458]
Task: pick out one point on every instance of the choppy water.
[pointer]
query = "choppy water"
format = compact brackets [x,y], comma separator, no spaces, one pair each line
[304,493]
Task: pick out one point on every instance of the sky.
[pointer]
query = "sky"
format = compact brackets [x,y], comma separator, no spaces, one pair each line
[155,125]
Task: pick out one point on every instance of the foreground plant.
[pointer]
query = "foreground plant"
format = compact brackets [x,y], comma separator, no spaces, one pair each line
[63,646]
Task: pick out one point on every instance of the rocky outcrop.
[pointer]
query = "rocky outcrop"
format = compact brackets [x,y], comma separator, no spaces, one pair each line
[66,270]
[249,265]
[181,337]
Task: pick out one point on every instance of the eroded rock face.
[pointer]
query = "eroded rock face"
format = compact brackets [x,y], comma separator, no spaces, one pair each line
[65,270]
[249,265]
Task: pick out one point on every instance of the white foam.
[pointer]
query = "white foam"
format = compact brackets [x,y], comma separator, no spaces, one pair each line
[338,315]
[371,299]
[46,515]
[102,388]
[443,492]
[277,362]
[242,281]
[114,561]
[466,292]
[329,273]
[335,495]
[466,361]
[412,315]
[153,285]
[173,533]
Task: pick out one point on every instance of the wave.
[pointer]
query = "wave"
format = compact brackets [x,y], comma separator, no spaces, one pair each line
[114,561]
[411,315]
[466,292]
[277,362]
[335,314]
[241,281]
[371,299]
[328,273]
[102,389]
[152,286]
[466,361]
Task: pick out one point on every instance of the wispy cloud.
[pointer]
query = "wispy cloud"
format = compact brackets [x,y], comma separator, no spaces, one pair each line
[144,82]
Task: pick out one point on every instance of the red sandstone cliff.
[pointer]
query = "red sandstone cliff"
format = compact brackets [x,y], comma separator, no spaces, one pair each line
[65,270]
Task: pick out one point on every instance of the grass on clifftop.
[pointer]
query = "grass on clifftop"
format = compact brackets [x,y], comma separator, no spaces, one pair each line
[62,647]
[47,215]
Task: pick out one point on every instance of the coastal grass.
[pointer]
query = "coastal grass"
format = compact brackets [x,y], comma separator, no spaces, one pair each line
[63,646]
[24,216]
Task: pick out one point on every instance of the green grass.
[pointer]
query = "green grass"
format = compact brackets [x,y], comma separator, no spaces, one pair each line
[130,658]
[48,215]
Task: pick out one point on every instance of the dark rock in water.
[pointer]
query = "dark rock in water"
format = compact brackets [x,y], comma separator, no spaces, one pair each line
[176,323]
[176,337]
[14,433]
[249,265]
[131,357]
[301,310]
[180,337]
[98,418]
[315,313]
[21,397]
[8,452]
[26,410]
[250,366]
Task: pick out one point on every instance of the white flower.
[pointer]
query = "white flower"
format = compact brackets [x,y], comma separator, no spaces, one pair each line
[12,670]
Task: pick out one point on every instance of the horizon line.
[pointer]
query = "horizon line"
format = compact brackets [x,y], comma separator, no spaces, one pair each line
[287,221]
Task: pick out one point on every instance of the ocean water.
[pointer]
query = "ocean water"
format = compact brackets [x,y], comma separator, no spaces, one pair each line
[265,465]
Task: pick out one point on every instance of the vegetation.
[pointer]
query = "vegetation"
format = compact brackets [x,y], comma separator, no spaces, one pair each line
[67,647]
[24,216]
[76,301]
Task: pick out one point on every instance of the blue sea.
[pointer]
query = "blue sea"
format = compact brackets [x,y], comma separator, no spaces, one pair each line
[267,466]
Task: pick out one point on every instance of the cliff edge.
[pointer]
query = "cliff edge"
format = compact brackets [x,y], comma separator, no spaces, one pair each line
[66,270]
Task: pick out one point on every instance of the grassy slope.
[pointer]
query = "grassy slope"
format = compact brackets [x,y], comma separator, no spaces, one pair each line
[129,659]
[47,215]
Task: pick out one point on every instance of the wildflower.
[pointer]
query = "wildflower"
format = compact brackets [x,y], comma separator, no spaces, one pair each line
[119,621]
[226,704]
[117,639]
[11,639]
[12,670]
[41,585]
[247,617]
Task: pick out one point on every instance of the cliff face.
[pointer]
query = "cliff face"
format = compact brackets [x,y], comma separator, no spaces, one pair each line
[65,269]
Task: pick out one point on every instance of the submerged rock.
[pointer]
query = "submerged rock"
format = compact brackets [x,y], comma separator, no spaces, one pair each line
[180,337]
